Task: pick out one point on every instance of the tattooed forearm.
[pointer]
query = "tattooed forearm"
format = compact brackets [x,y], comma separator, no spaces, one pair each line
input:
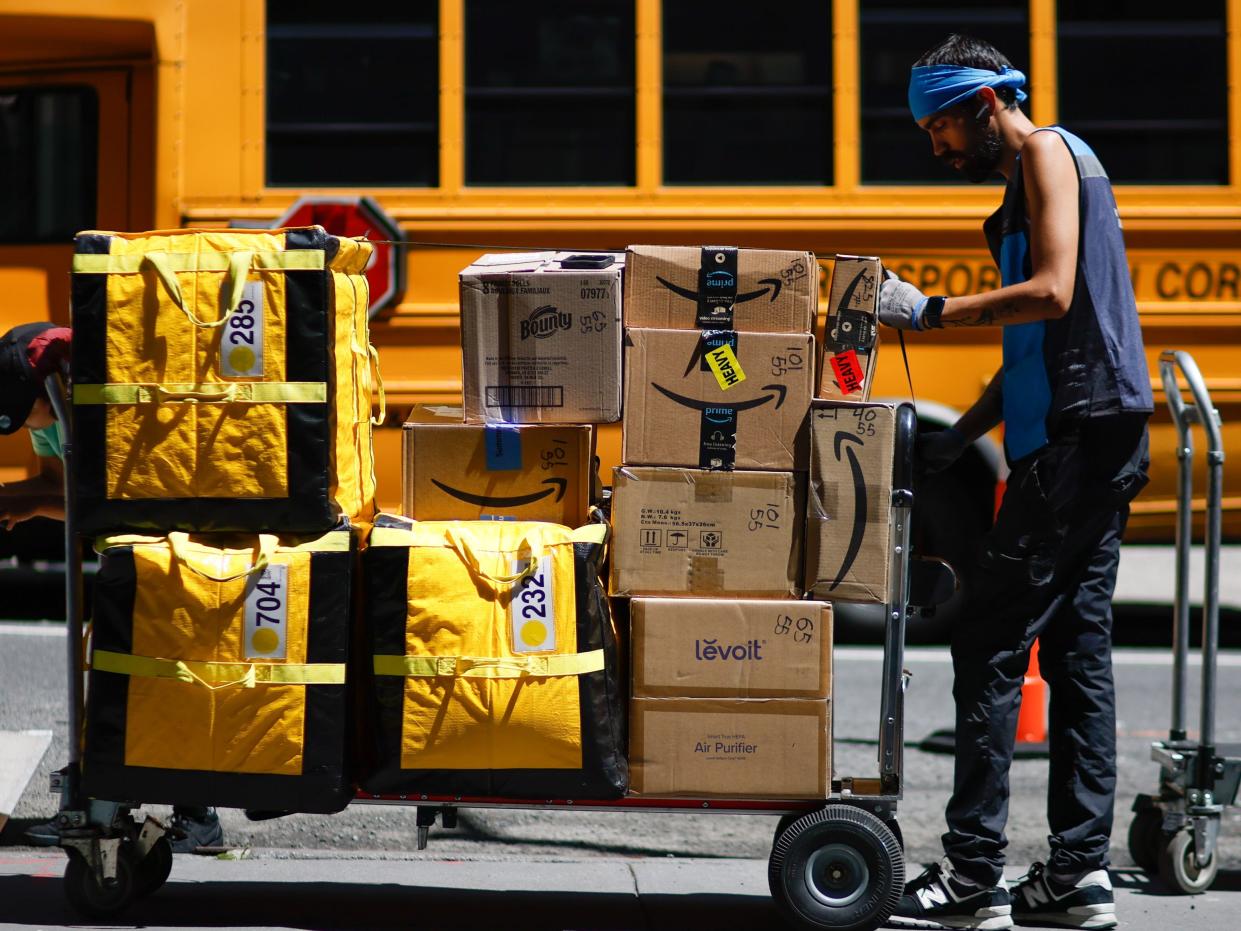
[988,316]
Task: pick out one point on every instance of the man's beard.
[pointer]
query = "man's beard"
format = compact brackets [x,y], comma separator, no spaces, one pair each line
[983,158]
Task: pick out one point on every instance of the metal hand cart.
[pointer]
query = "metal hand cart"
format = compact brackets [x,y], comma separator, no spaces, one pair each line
[1175,830]
[836,863]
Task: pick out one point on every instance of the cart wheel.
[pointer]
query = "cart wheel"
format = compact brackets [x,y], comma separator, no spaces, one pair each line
[782,825]
[1178,868]
[838,868]
[152,870]
[92,900]
[1146,838]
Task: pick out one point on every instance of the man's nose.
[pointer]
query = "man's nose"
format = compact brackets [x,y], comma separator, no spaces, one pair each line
[938,146]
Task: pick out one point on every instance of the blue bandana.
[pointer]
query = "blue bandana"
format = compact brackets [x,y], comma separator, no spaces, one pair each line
[933,88]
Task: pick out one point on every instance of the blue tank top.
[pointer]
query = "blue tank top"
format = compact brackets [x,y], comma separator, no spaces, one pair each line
[1090,362]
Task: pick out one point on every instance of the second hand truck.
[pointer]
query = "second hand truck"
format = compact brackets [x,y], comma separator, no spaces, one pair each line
[1175,830]
[837,864]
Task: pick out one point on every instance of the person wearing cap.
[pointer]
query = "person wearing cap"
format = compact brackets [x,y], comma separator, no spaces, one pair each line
[28,354]
[1073,394]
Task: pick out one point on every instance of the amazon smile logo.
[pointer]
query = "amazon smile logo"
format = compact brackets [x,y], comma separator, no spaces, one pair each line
[778,395]
[859,503]
[560,485]
[772,287]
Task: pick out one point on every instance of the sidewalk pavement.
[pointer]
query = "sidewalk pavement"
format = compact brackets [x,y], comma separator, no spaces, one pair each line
[308,890]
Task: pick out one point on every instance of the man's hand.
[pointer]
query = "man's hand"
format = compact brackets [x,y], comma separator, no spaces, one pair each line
[14,511]
[900,303]
[939,449]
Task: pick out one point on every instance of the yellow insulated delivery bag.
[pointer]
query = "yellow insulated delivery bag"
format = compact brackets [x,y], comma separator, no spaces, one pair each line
[222,380]
[495,661]
[218,672]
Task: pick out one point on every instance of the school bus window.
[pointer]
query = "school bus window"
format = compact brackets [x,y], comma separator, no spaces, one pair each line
[1146,85]
[549,96]
[747,92]
[352,94]
[894,35]
[49,142]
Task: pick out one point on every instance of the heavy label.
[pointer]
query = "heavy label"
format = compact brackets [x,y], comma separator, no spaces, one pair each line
[267,613]
[241,345]
[848,371]
[725,367]
[532,610]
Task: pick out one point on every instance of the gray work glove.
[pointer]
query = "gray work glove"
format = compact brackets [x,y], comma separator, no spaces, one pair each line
[939,449]
[900,303]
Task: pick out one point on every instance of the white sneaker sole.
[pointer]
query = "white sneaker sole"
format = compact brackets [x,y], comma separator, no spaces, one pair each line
[1090,917]
[997,918]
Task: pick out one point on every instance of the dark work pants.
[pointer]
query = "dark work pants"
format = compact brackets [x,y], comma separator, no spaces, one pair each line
[1046,570]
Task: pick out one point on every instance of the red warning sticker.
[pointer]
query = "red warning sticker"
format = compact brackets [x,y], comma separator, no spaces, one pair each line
[848,369]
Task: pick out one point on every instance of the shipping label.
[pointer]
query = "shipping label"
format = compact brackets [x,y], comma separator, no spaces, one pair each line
[267,613]
[532,610]
[241,344]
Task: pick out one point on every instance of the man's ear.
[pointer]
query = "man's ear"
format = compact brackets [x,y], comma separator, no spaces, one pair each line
[986,102]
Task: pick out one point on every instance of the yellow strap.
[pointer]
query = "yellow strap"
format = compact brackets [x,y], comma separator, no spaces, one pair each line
[490,667]
[403,536]
[241,392]
[373,353]
[265,547]
[131,263]
[219,675]
[334,541]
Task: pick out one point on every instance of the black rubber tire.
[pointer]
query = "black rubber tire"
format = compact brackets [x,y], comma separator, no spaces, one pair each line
[1177,868]
[782,825]
[1146,839]
[838,868]
[88,898]
[895,827]
[153,870]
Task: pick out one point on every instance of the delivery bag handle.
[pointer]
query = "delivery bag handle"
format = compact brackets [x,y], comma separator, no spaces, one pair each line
[373,354]
[466,547]
[263,552]
[224,393]
[234,284]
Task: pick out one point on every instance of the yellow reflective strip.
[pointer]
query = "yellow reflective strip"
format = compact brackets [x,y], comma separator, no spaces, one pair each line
[131,263]
[241,674]
[249,392]
[491,667]
[334,541]
[391,536]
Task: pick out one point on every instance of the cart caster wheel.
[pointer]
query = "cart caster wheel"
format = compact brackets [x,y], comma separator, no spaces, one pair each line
[89,898]
[895,827]
[783,825]
[1146,838]
[1180,871]
[153,870]
[838,868]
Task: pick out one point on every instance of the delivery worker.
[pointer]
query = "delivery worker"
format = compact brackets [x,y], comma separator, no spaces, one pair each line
[1074,395]
[28,354]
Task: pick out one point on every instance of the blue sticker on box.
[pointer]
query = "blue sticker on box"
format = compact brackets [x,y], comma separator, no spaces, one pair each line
[503,448]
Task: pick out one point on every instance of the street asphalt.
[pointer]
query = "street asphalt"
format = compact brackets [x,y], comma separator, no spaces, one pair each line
[573,869]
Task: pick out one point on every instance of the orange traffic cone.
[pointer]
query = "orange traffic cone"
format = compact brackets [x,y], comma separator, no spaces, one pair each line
[1032,717]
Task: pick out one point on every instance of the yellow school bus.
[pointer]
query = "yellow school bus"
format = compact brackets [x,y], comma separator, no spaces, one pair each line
[591,124]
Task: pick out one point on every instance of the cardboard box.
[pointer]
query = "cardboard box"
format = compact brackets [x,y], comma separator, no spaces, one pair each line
[851,337]
[690,532]
[457,471]
[541,338]
[849,503]
[717,399]
[730,648]
[721,288]
[718,748]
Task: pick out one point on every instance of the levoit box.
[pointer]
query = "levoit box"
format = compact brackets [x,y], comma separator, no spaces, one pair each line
[541,338]
[457,471]
[717,399]
[730,648]
[721,288]
[692,532]
[851,340]
[730,748]
[849,503]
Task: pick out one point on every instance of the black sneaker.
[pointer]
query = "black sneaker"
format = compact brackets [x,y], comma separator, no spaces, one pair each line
[197,829]
[1042,900]
[939,899]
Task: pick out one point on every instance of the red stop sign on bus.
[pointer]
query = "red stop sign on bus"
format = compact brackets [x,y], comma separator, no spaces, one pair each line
[358,216]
